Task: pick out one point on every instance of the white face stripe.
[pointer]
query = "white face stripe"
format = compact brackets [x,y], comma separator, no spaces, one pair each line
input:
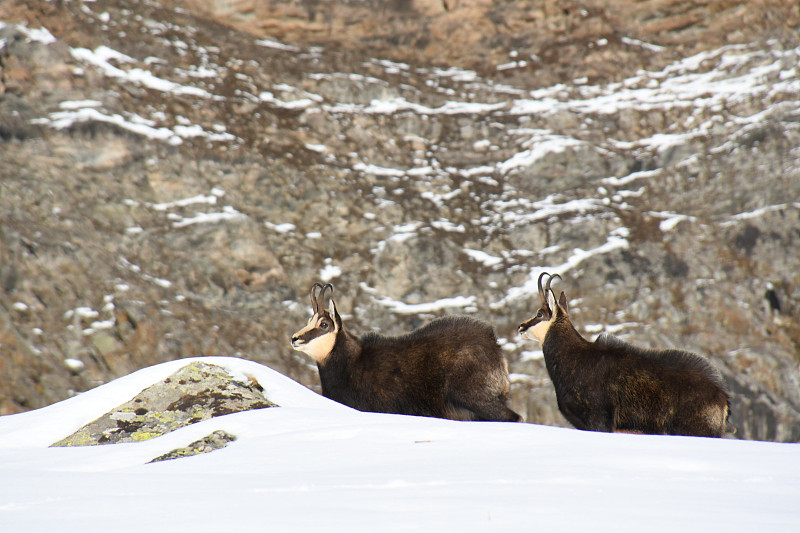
[315,341]
[311,325]
[308,327]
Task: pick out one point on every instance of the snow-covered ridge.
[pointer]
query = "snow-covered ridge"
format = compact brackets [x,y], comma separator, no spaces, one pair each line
[578,256]
[42,427]
[40,35]
[79,112]
[367,471]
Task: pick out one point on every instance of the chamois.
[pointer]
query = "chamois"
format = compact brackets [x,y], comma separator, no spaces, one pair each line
[610,385]
[450,368]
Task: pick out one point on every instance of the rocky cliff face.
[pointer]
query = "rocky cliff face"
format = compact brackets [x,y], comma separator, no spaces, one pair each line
[175,176]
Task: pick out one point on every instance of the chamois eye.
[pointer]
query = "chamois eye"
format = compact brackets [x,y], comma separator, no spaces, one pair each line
[324,325]
[539,315]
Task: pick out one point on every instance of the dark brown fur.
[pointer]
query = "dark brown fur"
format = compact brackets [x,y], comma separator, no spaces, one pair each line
[450,368]
[610,385]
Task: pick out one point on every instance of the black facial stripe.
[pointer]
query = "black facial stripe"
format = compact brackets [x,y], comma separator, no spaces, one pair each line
[315,331]
[535,319]
[309,336]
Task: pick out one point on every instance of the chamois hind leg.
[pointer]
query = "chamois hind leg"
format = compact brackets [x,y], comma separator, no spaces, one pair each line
[592,420]
[478,383]
[496,411]
[488,411]
[486,403]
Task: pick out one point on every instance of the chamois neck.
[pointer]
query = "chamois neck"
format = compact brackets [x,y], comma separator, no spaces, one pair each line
[560,331]
[336,370]
[346,349]
[348,344]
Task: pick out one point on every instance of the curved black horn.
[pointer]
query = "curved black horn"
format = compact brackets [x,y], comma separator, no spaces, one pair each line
[314,300]
[541,291]
[547,285]
[327,287]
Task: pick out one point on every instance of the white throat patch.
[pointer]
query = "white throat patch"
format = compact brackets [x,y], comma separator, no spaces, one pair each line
[538,332]
[319,348]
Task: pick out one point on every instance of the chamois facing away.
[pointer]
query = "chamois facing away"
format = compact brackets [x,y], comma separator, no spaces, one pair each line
[610,385]
[450,368]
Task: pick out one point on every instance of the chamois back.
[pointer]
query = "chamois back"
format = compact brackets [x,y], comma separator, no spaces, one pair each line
[669,357]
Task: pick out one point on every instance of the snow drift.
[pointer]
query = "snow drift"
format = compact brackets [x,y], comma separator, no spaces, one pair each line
[311,464]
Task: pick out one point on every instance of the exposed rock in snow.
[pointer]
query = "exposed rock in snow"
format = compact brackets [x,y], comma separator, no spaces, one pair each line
[196,392]
[214,441]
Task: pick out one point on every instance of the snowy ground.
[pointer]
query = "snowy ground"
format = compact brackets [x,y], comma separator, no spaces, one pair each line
[313,464]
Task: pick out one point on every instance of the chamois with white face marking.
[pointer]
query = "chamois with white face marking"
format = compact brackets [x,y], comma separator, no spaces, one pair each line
[610,385]
[450,368]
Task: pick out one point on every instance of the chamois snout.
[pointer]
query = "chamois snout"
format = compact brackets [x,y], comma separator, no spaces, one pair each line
[524,328]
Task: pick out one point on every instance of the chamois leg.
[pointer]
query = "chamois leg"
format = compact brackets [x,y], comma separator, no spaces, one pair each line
[707,422]
[594,420]
[491,411]
[486,405]
[497,411]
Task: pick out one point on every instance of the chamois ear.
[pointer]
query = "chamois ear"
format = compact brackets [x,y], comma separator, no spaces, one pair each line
[335,314]
[562,301]
[551,302]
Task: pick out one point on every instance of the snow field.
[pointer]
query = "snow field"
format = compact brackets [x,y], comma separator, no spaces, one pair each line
[314,464]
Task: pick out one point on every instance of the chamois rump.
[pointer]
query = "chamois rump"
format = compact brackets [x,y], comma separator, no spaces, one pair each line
[450,368]
[610,385]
